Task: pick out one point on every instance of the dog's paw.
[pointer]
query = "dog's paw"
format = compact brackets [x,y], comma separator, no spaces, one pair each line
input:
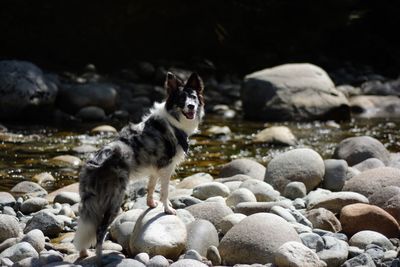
[152,203]
[169,210]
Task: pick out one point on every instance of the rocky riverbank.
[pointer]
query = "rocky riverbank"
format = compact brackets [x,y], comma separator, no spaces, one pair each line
[299,210]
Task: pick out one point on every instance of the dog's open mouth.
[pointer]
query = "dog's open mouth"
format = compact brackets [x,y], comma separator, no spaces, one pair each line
[189,115]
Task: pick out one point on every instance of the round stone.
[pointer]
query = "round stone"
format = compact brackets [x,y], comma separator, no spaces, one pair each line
[33,204]
[263,192]
[27,188]
[229,221]
[36,239]
[363,238]
[210,211]
[43,178]
[240,195]
[207,190]
[295,254]
[194,180]
[19,252]
[9,227]
[47,222]
[188,263]
[158,261]
[213,255]
[201,235]
[335,174]
[104,129]
[123,225]
[67,197]
[243,166]
[324,219]
[295,190]
[6,199]
[369,164]
[280,135]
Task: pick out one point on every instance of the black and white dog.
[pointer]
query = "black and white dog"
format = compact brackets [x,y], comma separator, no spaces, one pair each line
[152,148]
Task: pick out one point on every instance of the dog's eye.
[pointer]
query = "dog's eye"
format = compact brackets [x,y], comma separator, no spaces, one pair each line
[192,96]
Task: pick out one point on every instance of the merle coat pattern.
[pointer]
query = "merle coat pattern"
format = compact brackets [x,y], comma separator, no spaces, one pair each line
[152,149]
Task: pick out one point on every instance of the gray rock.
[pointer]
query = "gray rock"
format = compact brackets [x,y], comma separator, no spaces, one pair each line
[233,185]
[364,260]
[229,221]
[84,148]
[9,211]
[335,174]
[33,204]
[213,255]
[248,208]
[376,252]
[28,262]
[264,192]
[9,243]
[283,213]
[6,199]
[357,149]
[369,164]
[351,172]
[143,258]
[19,252]
[23,86]
[181,202]
[125,263]
[374,106]
[312,241]
[280,135]
[336,201]
[9,227]
[324,219]
[243,166]
[123,225]
[295,254]
[240,195]
[193,255]
[335,251]
[355,251]
[36,239]
[157,233]
[43,178]
[211,211]
[47,222]
[67,197]
[300,218]
[212,189]
[363,238]
[91,113]
[256,239]
[185,216]
[292,92]
[302,165]
[196,179]
[27,188]
[158,261]
[201,235]
[234,178]
[6,262]
[47,257]
[295,190]
[188,263]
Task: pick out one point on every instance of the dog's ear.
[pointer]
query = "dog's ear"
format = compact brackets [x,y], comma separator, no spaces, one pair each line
[172,82]
[195,82]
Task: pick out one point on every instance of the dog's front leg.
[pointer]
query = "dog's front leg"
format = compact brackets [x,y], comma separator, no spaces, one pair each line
[164,194]
[150,192]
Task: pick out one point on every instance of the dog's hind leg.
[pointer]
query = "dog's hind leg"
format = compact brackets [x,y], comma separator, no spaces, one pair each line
[150,192]
[165,177]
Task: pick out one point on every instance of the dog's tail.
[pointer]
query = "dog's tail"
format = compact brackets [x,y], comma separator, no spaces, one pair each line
[85,236]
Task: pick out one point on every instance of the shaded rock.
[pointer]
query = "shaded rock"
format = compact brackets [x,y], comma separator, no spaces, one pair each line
[280,135]
[91,113]
[357,149]
[335,201]
[371,181]
[193,254]
[294,254]
[213,255]
[357,217]
[157,233]
[363,238]
[6,199]
[33,204]
[302,165]
[262,191]
[229,221]
[36,239]
[240,195]
[67,197]
[9,227]
[295,190]
[27,188]
[211,211]
[292,92]
[335,174]
[369,164]
[256,239]
[69,188]
[188,263]
[324,219]
[371,106]
[243,166]
[212,189]
[335,251]
[363,259]
[194,180]
[181,202]
[123,225]
[43,178]
[47,222]
[312,241]
[248,208]
[201,235]
[19,252]
[23,87]
[47,257]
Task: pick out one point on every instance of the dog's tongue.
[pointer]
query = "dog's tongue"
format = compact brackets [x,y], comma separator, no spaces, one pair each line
[189,115]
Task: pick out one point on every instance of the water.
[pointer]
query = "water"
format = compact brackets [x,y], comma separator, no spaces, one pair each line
[26,150]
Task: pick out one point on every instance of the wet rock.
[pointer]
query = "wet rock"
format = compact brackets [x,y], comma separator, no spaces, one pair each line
[188,263]
[280,135]
[375,106]
[19,252]
[104,129]
[243,166]
[67,197]
[256,239]
[201,235]
[192,181]
[240,195]
[123,226]
[371,181]
[357,217]
[211,211]
[292,92]
[27,188]
[6,199]
[67,160]
[357,149]
[213,255]
[295,190]
[158,261]
[43,178]
[248,208]
[302,165]
[263,192]
[212,189]
[312,241]
[91,113]
[36,239]
[158,234]
[369,164]
[33,204]
[324,219]
[23,87]
[363,238]
[335,251]
[335,174]
[229,221]
[361,260]
[294,254]
[47,222]
[335,201]
[9,227]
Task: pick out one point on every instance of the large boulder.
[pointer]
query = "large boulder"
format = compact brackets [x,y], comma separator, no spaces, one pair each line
[23,87]
[302,165]
[292,92]
[256,239]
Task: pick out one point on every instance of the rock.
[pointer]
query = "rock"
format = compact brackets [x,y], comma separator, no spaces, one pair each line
[193,254]
[283,213]
[19,252]
[240,195]
[119,263]
[243,166]
[27,188]
[9,227]
[185,216]
[256,239]
[67,197]
[67,160]
[69,188]
[336,201]
[47,257]
[23,87]
[371,181]
[83,149]
[47,222]
[233,185]
[312,241]
[234,178]
[142,258]
[335,174]
[371,106]
[33,204]
[248,208]
[262,191]
[357,149]
[188,263]
[218,130]
[91,113]
[181,202]
[376,252]
[294,254]
[157,233]
[387,198]
[280,135]
[9,211]
[229,221]
[6,199]
[104,129]
[194,180]
[324,219]
[123,225]
[351,172]
[43,178]
[364,260]
[212,189]
[36,239]
[369,164]
[335,251]
[300,218]
[201,235]
[210,211]
[357,217]
[302,165]
[158,261]
[213,255]
[363,238]
[292,92]
[73,97]
[295,190]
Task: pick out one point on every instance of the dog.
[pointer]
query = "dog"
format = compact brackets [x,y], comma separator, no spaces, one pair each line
[153,148]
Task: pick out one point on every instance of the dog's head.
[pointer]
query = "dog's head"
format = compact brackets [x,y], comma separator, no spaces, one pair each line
[185,100]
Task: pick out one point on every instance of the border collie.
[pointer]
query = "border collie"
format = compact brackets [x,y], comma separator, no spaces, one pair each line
[152,148]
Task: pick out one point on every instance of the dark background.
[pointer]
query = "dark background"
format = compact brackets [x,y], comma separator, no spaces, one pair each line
[237,36]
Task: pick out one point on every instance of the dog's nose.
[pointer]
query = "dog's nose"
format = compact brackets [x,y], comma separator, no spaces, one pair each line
[190,106]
